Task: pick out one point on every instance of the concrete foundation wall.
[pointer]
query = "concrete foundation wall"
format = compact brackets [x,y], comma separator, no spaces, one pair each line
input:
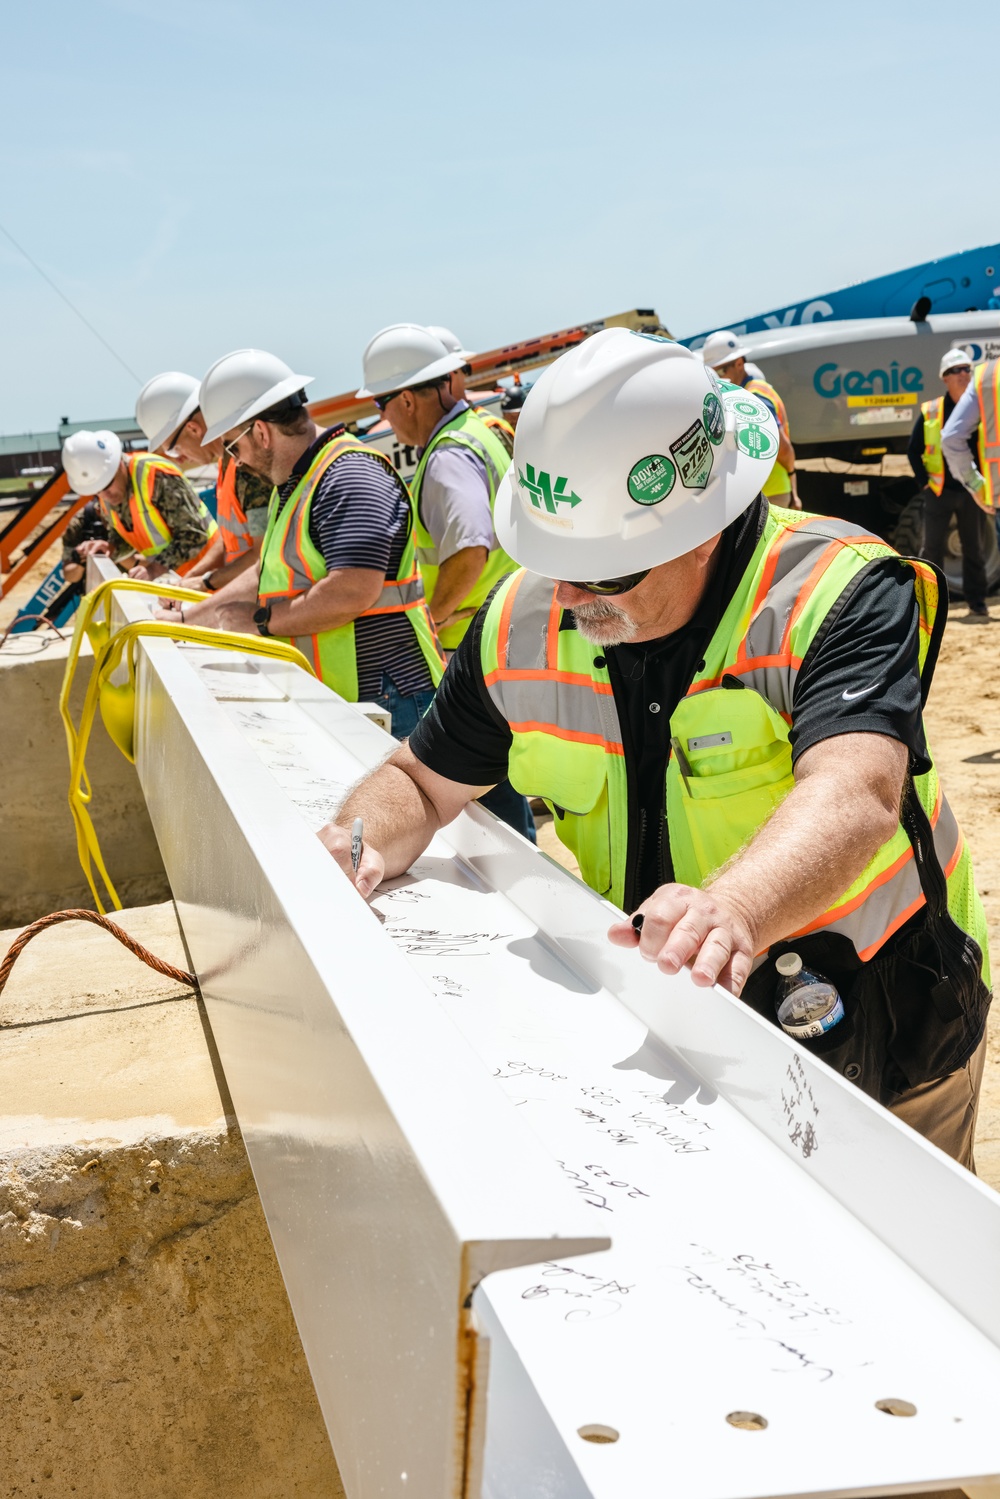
[39,870]
[147,1345]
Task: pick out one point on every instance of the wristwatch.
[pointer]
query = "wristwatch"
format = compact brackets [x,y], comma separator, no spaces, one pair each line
[262,618]
[206,581]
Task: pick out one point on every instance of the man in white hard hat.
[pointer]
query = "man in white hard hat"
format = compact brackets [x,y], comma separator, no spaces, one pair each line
[491,417]
[723,709]
[408,373]
[152,513]
[167,410]
[724,352]
[337,573]
[944,495]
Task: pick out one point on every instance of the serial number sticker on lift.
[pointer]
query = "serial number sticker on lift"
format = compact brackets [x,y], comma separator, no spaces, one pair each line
[709,741]
[902,399]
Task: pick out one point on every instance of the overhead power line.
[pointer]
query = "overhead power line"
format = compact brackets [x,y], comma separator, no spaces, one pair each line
[86,322]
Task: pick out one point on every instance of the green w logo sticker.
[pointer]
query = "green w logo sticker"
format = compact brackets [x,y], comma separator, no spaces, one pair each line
[544,494]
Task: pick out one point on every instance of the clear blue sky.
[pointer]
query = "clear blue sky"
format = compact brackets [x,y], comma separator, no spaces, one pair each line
[199,177]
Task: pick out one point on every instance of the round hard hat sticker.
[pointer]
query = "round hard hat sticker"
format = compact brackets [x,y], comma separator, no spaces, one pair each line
[651,479]
[748,410]
[100,445]
[756,442]
[714,418]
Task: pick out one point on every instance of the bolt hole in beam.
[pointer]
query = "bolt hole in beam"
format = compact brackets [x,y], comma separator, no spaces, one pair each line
[896,1407]
[595,1432]
[747,1420]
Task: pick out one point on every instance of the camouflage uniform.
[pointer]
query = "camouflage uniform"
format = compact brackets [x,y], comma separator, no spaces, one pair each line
[254,495]
[177,502]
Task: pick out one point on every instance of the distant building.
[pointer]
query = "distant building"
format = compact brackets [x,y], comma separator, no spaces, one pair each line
[43,450]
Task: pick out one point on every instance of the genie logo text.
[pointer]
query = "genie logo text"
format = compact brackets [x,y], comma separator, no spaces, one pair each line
[830,381]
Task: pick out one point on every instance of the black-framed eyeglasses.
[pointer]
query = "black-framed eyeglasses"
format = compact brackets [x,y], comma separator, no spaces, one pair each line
[234,442]
[170,448]
[607,587]
[436,384]
[382,401]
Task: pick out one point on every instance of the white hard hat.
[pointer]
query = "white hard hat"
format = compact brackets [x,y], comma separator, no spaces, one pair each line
[450,340]
[164,405]
[91,460]
[720,347]
[629,452]
[402,355]
[954,357]
[243,384]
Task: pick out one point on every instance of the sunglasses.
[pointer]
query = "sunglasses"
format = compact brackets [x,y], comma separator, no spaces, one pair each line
[959,369]
[607,587]
[381,402]
[234,442]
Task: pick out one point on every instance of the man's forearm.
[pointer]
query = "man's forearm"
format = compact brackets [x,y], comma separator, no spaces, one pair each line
[961,463]
[241,591]
[228,572]
[215,556]
[455,581]
[399,819]
[810,851]
[336,600]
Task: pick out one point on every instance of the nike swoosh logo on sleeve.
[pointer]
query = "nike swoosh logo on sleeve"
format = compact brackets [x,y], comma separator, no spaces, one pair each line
[850,696]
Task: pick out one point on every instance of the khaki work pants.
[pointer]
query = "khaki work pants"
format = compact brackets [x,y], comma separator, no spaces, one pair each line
[944,1111]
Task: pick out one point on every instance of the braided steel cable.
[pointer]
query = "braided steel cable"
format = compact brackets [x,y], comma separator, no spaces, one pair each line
[44,922]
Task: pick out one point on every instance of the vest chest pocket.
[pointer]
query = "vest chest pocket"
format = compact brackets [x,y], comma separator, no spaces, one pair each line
[572,778]
[730,766]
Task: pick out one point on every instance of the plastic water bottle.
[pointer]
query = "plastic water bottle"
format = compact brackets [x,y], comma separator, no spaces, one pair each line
[807,1004]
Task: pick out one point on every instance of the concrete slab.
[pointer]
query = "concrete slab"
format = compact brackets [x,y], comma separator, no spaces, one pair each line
[148,1345]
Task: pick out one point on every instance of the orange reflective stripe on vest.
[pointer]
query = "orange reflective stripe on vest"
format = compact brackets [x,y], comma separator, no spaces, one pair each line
[987,384]
[234,528]
[148,532]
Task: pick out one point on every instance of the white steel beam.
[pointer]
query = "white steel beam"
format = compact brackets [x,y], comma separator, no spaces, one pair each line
[800,1296]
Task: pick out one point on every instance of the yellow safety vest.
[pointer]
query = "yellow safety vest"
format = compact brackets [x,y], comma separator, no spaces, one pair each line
[553,688]
[148,533]
[290,563]
[466,430]
[933,412]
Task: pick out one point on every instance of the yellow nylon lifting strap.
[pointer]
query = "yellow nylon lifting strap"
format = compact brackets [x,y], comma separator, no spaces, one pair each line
[117,702]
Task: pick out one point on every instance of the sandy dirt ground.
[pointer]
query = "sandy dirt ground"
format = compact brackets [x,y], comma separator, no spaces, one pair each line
[963,728]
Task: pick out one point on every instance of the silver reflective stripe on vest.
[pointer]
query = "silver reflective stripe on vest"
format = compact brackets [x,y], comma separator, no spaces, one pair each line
[800,551]
[573,706]
[393,593]
[400,595]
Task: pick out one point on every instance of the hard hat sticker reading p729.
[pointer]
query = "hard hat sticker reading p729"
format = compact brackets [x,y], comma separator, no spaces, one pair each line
[693,455]
[651,479]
